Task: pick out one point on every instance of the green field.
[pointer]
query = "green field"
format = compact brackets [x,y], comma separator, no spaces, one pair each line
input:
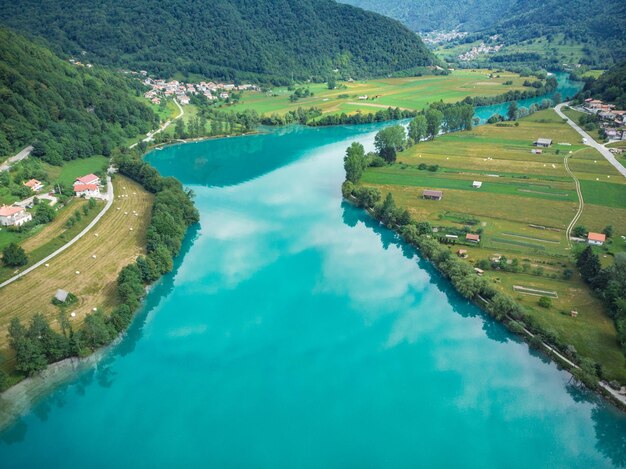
[71,170]
[523,209]
[405,93]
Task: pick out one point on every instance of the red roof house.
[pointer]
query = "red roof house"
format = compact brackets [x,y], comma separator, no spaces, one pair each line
[597,239]
[88,179]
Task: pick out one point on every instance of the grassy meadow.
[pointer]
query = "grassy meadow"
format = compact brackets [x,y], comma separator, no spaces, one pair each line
[97,258]
[523,208]
[405,93]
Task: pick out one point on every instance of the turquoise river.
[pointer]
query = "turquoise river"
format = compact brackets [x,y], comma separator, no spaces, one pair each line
[297,332]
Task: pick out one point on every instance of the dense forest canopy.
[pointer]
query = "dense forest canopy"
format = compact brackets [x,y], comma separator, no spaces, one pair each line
[65,111]
[432,15]
[609,87]
[228,39]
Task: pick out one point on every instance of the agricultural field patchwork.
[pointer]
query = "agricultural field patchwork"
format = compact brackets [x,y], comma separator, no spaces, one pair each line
[522,211]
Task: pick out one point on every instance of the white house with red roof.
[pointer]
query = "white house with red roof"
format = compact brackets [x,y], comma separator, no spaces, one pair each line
[597,239]
[34,184]
[14,216]
[89,179]
[86,190]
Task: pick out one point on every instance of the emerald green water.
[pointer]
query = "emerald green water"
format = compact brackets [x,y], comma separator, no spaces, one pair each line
[296,332]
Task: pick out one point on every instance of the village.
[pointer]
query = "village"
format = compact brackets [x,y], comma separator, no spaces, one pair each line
[182,91]
[18,213]
[611,120]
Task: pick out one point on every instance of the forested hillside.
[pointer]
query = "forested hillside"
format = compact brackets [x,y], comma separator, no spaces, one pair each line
[610,87]
[596,24]
[65,111]
[429,15]
[229,39]
[545,33]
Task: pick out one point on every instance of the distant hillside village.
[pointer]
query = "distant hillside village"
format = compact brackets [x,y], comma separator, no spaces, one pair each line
[612,120]
[181,90]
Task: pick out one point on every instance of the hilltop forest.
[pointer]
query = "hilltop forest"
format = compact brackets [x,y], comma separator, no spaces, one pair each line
[65,111]
[263,40]
[433,15]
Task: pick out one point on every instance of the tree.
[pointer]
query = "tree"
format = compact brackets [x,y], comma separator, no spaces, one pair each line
[544,302]
[579,231]
[589,264]
[418,128]
[354,162]
[389,141]
[512,112]
[14,256]
[331,83]
[179,128]
[387,210]
[434,119]
[557,98]
[608,231]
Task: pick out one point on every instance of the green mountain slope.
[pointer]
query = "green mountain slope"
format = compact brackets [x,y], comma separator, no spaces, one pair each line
[68,111]
[229,39]
[429,15]
[609,87]
[545,33]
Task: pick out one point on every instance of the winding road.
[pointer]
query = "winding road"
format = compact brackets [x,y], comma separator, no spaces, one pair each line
[110,198]
[591,142]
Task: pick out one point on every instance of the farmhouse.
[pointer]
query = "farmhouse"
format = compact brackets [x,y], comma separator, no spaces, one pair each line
[86,190]
[14,216]
[34,184]
[543,142]
[597,239]
[477,184]
[88,179]
[462,253]
[536,151]
[432,195]
[472,238]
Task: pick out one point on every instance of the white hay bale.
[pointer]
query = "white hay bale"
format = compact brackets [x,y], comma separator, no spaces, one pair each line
[77,272]
[73,315]
[47,265]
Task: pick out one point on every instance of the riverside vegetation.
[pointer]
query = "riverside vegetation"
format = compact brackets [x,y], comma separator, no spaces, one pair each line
[37,344]
[429,234]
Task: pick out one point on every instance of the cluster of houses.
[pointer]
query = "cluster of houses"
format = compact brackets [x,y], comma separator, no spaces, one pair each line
[181,90]
[475,51]
[16,215]
[612,120]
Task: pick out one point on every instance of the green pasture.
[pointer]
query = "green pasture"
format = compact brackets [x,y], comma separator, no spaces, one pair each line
[71,170]
[406,93]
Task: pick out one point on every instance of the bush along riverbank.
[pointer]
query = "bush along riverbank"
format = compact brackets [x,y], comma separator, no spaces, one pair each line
[37,344]
[462,276]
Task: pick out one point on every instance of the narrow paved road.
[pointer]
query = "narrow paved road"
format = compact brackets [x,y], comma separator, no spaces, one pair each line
[14,159]
[110,198]
[150,135]
[591,142]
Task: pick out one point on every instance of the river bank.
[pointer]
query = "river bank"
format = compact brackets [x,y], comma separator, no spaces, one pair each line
[514,325]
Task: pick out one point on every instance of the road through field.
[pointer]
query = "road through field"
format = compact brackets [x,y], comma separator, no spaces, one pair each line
[581,203]
[591,142]
[110,197]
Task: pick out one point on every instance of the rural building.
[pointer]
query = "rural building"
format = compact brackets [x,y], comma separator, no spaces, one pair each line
[89,179]
[432,195]
[462,253]
[597,239]
[86,190]
[536,151]
[472,238]
[14,216]
[543,142]
[479,271]
[61,295]
[34,184]
[477,184]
